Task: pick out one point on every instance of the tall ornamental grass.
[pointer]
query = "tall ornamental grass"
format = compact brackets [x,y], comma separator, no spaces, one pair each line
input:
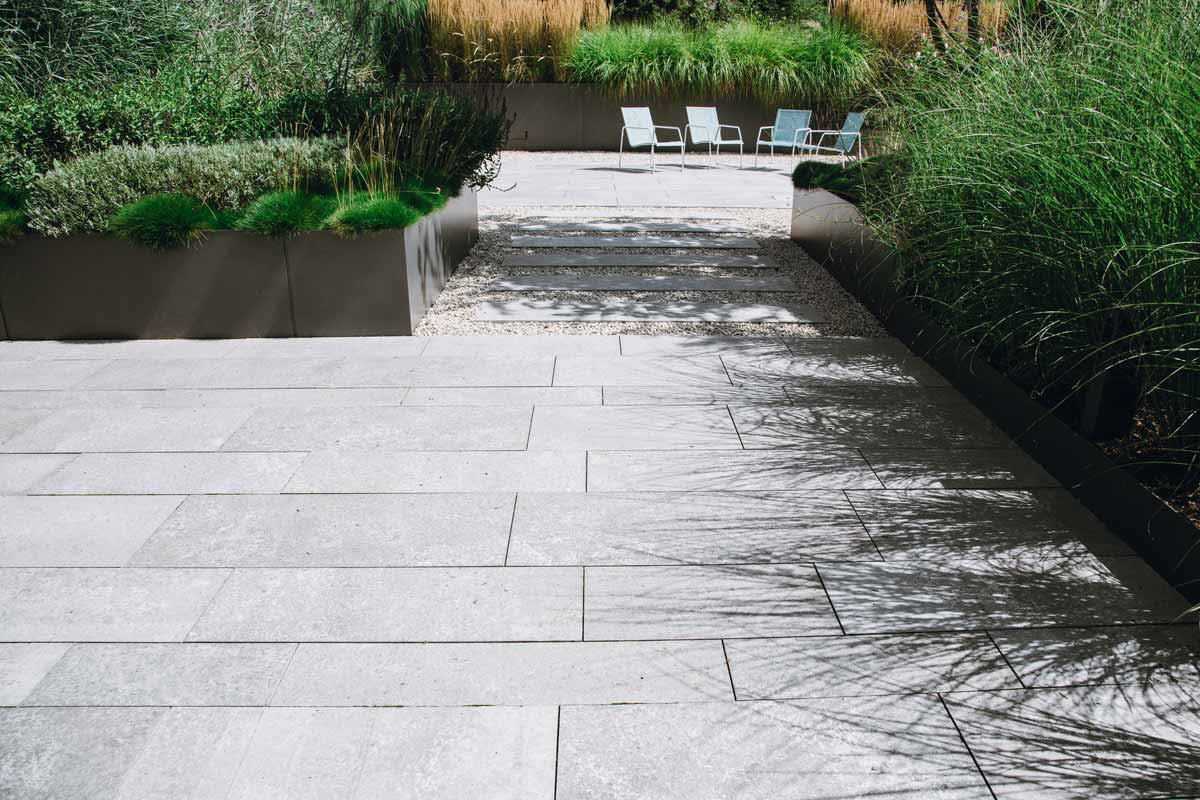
[510,40]
[776,63]
[901,26]
[1054,187]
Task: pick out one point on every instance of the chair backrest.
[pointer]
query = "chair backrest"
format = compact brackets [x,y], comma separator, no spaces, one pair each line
[788,121]
[852,125]
[640,125]
[704,125]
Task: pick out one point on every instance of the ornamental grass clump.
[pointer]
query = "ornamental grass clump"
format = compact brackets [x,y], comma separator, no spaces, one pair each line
[285,213]
[1050,201]
[901,26]
[163,221]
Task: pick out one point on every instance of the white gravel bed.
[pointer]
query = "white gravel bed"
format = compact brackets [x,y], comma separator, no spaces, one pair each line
[454,312]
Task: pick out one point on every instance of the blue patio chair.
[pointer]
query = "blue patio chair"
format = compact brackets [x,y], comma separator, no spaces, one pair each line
[704,128]
[790,130]
[848,139]
[641,131]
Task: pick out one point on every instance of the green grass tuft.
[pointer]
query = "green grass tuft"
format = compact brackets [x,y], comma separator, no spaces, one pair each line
[163,221]
[12,224]
[366,214]
[285,213]
[850,182]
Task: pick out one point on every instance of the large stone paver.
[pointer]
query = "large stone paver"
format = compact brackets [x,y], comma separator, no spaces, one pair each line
[23,665]
[45,374]
[631,227]
[19,472]
[908,468]
[333,531]
[632,428]
[130,430]
[722,470]
[897,747]
[380,605]
[566,260]
[640,283]
[701,370]
[333,472]
[651,242]
[172,473]
[78,531]
[639,311]
[848,424]
[505,674]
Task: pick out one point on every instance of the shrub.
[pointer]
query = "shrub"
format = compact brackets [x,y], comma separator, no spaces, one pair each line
[775,63]
[1052,188]
[285,213]
[702,12]
[163,221]
[900,26]
[81,196]
[12,223]
[371,213]
[851,181]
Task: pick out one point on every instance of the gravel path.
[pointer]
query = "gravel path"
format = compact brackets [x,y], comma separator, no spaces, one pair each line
[454,312]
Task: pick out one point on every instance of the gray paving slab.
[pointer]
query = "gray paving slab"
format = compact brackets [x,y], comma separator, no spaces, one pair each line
[447,371]
[505,396]
[334,347]
[15,421]
[426,753]
[496,471]
[704,371]
[503,674]
[693,395]
[566,260]
[632,428]
[333,531]
[837,369]
[633,215]
[23,665]
[383,428]
[638,311]
[29,400]
[55,753]
[877,395]
[950,525]
[648,242]
[172,473]
[648,226]
[1091,656]
[29,375]
[211,398]
[215,373]
[763,346]
[20,472]
[717,470]
[1010,468]
[640,283]
[847,346]
[811,425]
[800,750]
[1019,591]
[646,528]
[174,674]
[1102,743]
[78,531]
[119,348]
[522,346]
[71,430]
[845,666]
[380,605]
[99,605]
[693,602]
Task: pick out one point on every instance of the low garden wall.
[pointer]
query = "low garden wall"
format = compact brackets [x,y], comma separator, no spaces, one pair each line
[831,230]
[573,116]
[234,284]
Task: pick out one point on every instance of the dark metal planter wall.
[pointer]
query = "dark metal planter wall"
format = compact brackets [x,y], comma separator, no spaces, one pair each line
[831,231]
[233,284]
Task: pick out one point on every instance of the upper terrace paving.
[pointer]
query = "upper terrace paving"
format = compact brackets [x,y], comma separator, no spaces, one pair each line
[562,566]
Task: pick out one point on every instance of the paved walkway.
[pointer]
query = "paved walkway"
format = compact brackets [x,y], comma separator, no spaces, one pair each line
[558,567]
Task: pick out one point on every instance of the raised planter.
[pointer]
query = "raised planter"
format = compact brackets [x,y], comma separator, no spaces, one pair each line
[831,230]
[233,284]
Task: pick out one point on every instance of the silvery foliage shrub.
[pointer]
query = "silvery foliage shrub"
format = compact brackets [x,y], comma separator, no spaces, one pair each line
[81,196]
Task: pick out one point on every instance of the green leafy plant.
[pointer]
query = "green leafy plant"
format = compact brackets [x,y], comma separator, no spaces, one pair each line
[163,221]
[365,214]
[286,213]
[852,181]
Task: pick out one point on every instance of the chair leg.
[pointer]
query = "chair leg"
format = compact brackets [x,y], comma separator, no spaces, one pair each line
[741,154]
[757,147]
[621,151]
[652,156]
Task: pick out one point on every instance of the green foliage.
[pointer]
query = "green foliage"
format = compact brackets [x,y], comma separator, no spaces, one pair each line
[394,32]
[852,181]
[775,63]
[12,223]
[285,213]
[702,12]
[368,213]
[82,195]
[163,221]
[1052,186]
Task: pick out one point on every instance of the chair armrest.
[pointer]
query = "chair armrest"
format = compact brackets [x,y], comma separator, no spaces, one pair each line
[678,132]
[735,127]
[796,137]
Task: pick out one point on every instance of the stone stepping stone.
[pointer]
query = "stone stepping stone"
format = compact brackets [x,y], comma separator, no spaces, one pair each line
[567,260]
[632,227]
[640,283]
[663,242]
[630,214]
[632,311]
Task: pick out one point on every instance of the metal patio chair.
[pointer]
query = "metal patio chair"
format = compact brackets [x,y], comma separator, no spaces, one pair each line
[705,128]
[641,131]
[790,130]
[848,139]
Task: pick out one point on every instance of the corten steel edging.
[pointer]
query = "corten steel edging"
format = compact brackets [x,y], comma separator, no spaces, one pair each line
[832,231]
[233,284]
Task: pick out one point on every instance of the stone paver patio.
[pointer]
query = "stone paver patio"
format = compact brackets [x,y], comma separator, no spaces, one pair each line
[558,567]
